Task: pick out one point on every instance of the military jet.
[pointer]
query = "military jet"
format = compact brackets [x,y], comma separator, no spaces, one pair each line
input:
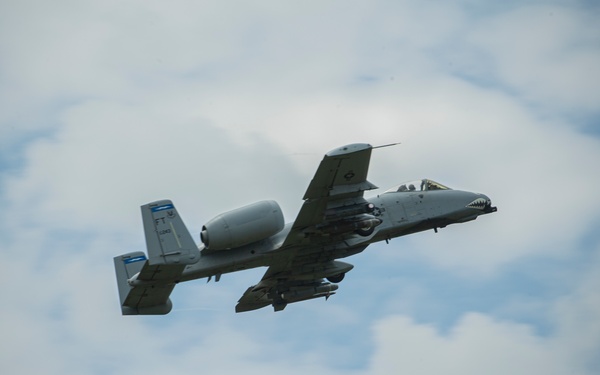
[335,221]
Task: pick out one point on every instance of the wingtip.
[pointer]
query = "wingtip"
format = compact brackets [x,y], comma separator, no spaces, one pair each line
[348,149]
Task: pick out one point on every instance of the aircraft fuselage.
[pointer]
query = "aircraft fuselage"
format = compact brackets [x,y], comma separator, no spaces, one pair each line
[400,213]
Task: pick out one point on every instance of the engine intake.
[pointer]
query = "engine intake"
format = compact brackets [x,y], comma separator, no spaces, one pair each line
[243,226]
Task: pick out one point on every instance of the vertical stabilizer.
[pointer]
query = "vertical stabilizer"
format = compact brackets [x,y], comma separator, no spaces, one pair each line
[167,239]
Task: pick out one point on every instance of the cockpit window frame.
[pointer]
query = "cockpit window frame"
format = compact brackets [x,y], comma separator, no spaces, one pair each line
[437,186]
[418,186]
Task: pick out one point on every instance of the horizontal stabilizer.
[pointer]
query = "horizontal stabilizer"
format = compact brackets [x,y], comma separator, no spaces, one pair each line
[138,300]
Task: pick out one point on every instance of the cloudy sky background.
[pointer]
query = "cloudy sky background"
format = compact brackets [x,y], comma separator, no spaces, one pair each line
[105,106]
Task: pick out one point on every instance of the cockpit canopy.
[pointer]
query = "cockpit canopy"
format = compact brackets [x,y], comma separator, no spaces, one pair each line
[417,185]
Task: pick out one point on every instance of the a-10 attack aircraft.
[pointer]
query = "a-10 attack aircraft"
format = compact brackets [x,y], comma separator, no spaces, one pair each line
[335,221]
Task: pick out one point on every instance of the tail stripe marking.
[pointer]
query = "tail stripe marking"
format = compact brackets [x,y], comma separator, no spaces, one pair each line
[163,207]
[134,259]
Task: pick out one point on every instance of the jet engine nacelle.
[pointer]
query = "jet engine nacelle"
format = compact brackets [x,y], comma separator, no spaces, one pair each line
[243,226]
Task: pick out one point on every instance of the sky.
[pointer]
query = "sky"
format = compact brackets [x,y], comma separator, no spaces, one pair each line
[105,106]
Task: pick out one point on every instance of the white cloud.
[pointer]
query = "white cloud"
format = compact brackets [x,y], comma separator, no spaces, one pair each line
[546,53]
[479,343]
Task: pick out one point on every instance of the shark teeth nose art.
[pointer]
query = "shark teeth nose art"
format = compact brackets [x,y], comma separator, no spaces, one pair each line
[478,203]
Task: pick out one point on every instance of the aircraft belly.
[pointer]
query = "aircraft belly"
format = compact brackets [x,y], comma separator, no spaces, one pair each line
[218,264]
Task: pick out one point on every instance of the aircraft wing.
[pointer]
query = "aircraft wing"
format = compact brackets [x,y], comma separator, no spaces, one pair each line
[333,198]
[148,297]
[280,292]
[294,279]
[339,182]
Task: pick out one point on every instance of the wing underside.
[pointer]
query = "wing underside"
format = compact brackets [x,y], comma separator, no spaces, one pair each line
[280,293]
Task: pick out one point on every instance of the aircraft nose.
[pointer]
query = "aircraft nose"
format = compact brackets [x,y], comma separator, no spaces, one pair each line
[483,203]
